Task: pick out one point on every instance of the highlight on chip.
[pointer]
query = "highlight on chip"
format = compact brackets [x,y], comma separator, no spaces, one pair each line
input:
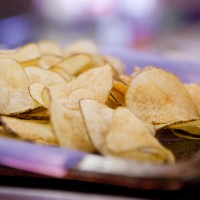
[159,97]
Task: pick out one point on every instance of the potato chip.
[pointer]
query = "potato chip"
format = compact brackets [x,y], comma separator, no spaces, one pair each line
[120,86]
[30,130]
[129,138]
[69,127]
[62,72]
[98,60]
[97,117]
[45,95]
[116,63]
[50,47]
[74,64]
[111,102]
[48,61]
[125,78]
[43,76]
[194,91]
[36,90]
[159,97]
[95,84]
[191,127]
[24,54]
[82,46]
[14,84]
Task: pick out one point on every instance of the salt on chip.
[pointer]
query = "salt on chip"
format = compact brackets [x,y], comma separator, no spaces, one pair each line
[97,117]
[69,127]
[30,130]
[129,138]
[14,84]
[159,97]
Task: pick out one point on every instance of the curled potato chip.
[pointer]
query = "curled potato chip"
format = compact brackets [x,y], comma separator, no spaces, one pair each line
[31,130]
[194,91]
[186,135]
[111,102]
[97,117]
[14,84]
[69,127]
[118,96]
[159,97]
[36,90]
[82,46]
[24,54]
[43,76]
[50,47]
[62,72]
[188,128]
[129,138]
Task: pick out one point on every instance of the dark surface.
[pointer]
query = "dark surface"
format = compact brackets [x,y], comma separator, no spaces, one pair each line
[182,148]
[18,178]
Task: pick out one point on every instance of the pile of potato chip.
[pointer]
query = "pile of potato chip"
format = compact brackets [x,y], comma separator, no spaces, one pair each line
[74,97]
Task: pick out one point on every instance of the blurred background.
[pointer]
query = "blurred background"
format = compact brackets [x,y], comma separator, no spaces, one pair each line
[169,26]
